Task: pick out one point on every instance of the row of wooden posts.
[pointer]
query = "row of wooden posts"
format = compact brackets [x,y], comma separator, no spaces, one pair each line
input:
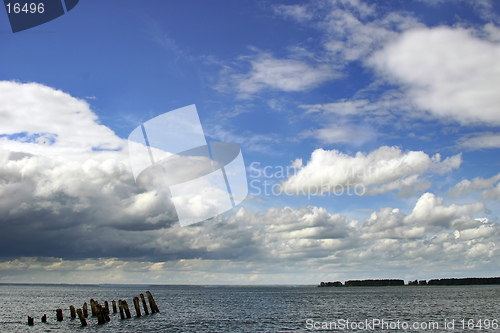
[102,312]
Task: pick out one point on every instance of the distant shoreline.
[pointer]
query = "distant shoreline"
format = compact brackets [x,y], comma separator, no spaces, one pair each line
[398,282]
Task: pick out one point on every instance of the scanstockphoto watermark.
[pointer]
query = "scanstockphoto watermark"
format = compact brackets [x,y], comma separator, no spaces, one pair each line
[376,324]
[271,181]
[268,188]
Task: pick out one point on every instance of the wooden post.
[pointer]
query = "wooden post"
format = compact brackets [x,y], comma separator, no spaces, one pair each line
[93,307]
[120,305]
[85,310]
[144,304]
[44,318]
[137,307]
[81,316]
[72,311]
[59,315]
[152,302]
[30,321]
[106,314]
[127,310]
[100,314]
[106,307]
[114,306]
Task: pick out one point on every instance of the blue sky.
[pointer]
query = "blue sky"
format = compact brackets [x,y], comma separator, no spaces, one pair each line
[396,100]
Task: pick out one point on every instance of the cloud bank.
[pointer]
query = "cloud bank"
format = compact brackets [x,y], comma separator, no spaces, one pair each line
[383,170]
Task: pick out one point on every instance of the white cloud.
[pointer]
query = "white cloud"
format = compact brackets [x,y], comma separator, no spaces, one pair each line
[351,37]
[103,191]
[446,71]
[40,119]
[486,140]
[351,30]
[60,167]
[492,32]
[490,187]
[383,170]
[432,220]
[282,74]
[296,12]
[430,210]
[347,134]
[492,193]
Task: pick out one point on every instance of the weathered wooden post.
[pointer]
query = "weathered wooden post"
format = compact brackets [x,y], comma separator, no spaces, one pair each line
[152,302]
[106,307]
[127,310]
[106,314]
[144,304]
[93,306]
[137,307]
[114,306]
[30,321]
[85,310]
[44,318]
[100,314]
[59,315]
[72,311]
[120,305]
[81,316]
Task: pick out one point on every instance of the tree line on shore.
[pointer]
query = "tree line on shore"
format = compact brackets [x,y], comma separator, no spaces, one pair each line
[398,282]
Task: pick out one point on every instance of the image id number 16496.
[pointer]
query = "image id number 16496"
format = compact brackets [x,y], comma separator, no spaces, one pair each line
[479,324]
[31,8]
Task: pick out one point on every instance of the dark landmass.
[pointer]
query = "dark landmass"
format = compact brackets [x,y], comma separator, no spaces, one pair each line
[396,282]
[374,283]
[364,283]
[462,282]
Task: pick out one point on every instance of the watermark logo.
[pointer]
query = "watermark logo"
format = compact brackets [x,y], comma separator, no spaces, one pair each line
[280,180]
[28,14]
[204,179]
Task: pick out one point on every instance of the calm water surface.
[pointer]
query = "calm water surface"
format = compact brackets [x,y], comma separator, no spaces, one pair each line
[260,309]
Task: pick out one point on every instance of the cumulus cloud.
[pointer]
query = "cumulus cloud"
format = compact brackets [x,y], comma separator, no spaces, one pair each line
[65,180]
[425,62]
[383,170]
[492,193]
[492,32]
[434,232]
[430,210]
[300,239]
[38,119]
[490,187]
[54,206]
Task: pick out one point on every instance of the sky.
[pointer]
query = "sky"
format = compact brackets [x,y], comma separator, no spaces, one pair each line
[369,132]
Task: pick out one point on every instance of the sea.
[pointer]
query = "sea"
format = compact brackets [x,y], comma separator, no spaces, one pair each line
[259,308]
